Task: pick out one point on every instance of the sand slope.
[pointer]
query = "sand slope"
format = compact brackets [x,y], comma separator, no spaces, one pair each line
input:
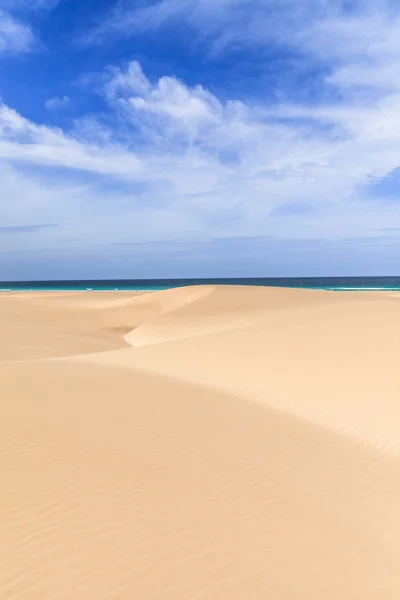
[204,443]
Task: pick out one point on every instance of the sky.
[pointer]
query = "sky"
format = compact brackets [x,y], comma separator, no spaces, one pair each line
[199,138]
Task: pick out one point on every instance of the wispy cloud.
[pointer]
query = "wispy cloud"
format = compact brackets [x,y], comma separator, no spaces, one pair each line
[14,35]
[357,43]
[19,229]
[23,141]
[232,24]
[57,103]
[216,19]
[28,5]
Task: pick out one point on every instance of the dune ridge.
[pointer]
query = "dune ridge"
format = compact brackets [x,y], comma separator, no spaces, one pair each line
[206,442]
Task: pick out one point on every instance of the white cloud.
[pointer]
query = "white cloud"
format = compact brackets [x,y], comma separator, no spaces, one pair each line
[224,24]
[57,103]
[14,36]
[180,164]
[16,33]
[243,140]
[24,141]
[358,41]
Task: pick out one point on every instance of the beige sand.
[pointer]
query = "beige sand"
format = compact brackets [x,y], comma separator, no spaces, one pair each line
[200,444]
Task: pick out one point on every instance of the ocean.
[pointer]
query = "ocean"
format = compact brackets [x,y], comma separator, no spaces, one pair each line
[321,283]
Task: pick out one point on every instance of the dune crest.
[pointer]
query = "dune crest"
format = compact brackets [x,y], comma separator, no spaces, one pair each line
[201,310]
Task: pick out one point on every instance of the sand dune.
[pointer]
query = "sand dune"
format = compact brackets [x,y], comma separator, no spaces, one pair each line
[200,443]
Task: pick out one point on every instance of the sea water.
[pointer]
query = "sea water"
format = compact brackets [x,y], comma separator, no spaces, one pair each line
[321,283]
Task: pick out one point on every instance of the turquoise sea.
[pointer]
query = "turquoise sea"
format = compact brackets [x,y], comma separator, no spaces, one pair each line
[324,283]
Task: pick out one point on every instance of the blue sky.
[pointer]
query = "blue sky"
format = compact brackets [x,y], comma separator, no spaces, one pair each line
[176,138]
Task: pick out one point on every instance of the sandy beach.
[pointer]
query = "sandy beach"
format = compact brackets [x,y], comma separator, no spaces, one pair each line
[202,443]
